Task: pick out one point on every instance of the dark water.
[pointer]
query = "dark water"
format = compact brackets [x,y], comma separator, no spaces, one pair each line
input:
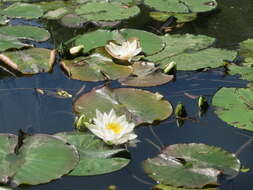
[22,107]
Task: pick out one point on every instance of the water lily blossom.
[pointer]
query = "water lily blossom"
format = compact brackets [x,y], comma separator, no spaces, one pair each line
[126,51]
[111,128]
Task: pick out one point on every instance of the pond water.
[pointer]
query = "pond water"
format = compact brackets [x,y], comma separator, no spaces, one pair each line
[21,107]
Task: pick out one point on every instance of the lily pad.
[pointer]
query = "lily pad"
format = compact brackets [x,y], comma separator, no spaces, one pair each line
[25,32]
[72,20]
[181,17]
[145,75]
[40,159]
[23,10]
[103,11]
[139,106]
[29,61]
[8,143]
[95,67]
[167,187]
[95,156]
[3,20]
[7,42]
[182,6]
[191,52]
[57,13]
[246,48]
[191,165]
[245,72]
[101,37]
[229,102]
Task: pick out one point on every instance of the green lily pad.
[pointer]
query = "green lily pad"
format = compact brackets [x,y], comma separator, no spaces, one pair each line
[5,188]
[103,11]
[30,61]
[246,48]
[191,52]
[101,37]
[191,165]
[54,5]
[23,10]
[25,32]
[139,106]
[181,17]
[145,75]
[3,20]
[183,6]
[8,143]
[96,67]
[229,102]
[40,159]
[57,13]
[245,72]
[95,156]
[7,42]
[167,187]
[72,20]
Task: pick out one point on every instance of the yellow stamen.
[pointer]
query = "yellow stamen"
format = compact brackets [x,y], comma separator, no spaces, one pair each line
[115,127]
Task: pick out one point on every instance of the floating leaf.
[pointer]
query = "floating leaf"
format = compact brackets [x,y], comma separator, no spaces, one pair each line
[95,67]
[40,159]
[246,48]
[30,61]
[183,6]
[191,52]
[23,10]
[3,20]
[8,143]
[139,106]
[146,74]
[25,32]
[95,156]
[7,42]
[229,102]
[181,17]
[245,72]
[167,187]
[191,165]
[103,11]
[57,13]
[101,37]
[72,20]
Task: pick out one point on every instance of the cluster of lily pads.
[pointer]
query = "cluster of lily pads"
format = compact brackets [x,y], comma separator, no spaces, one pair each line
[134,58]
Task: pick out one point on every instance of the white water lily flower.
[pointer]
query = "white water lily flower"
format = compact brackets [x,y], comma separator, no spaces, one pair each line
[111,128]
[126,51]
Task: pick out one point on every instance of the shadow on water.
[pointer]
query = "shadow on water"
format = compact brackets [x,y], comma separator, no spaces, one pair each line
[22,107]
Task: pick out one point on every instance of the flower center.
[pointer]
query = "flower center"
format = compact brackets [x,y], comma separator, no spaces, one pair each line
[115,127]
